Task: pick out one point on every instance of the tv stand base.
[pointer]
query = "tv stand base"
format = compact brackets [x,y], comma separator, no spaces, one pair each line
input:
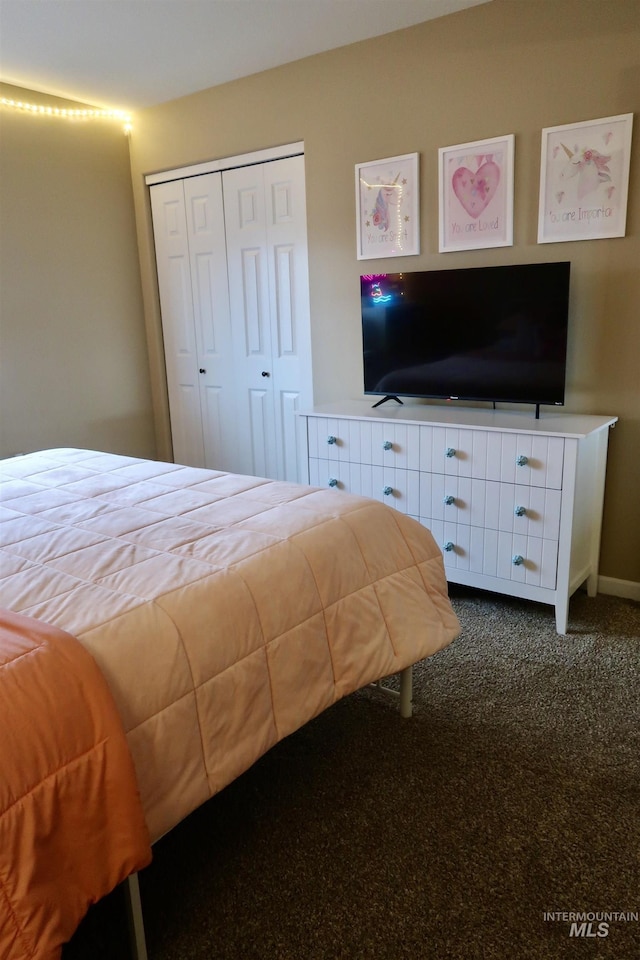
[389,396]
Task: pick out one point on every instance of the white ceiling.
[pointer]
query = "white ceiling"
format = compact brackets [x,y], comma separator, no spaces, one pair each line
[123,54]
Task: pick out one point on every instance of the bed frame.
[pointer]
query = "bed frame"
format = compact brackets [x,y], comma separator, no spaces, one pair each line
[135,919]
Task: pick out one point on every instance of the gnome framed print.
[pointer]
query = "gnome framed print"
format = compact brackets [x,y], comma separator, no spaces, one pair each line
[476,194]
[584,179]
[387,208]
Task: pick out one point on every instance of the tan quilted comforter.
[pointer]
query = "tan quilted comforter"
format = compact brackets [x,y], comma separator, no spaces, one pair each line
[224,611]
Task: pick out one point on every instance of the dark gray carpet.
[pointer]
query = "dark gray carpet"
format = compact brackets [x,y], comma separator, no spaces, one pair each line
[513,791]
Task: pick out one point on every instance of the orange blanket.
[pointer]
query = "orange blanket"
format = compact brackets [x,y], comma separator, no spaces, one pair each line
[71,822]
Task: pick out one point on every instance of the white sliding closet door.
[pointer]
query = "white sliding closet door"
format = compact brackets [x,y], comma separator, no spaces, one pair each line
[208,258]
[231,251]
[178,328]
[190,246]
[265,217]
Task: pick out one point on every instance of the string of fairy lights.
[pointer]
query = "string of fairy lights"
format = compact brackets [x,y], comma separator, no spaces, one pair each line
[69,113]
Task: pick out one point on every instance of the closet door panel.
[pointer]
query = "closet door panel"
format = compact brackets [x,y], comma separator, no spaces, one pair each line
[286,245]
[247,270]
[212,318]
[285,326]
[265,216]
[285,343]
[178,328]
[244,211]
[292,436]
[261,432]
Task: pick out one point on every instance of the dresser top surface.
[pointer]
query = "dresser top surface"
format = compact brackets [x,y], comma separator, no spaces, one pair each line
[563,424]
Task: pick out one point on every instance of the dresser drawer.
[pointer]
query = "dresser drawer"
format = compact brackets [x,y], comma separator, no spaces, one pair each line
[497,554]
[370,442]
[530,511]
[453,451]
[530,459]
[533,511]
[391,485]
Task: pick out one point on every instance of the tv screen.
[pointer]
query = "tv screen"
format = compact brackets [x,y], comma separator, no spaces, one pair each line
[480,333]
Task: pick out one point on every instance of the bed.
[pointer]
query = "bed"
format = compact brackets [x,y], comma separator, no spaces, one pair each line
[222,612]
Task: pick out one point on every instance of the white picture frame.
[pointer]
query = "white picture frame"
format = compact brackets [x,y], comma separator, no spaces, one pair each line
[584,180]
[476,194]
[388,207]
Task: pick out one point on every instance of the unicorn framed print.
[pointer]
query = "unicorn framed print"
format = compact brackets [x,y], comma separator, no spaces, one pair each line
[584,179]
[476,194]
[387,208]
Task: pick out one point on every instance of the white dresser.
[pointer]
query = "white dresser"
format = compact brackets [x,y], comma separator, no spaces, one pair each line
[514,502]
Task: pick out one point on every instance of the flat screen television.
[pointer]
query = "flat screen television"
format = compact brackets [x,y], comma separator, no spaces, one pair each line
[480,333]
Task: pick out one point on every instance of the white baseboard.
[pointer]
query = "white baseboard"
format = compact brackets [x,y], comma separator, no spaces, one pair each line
[619,588]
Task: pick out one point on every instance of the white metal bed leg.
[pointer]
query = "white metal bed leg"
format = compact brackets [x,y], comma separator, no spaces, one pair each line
[134,914]
[406,692]
[404,695]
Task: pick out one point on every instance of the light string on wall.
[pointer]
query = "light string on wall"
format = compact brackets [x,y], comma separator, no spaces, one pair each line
[67,113]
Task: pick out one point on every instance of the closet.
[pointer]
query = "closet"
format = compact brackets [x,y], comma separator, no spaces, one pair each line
[231,253]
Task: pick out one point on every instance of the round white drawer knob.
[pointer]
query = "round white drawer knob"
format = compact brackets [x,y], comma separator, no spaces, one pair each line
[448,546]
[517,560]
[333,482]
[522,461]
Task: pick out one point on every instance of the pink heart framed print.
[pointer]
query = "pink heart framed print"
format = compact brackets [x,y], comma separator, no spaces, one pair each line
[476,194]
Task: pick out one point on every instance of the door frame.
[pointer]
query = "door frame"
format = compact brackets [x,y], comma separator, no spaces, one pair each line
[227,163]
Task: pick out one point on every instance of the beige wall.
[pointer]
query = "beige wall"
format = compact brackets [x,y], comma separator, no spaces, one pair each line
[73,357]
[512,66]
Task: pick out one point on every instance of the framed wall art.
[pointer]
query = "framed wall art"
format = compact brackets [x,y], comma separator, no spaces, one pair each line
[584,179]
[476,194]
[387,208]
